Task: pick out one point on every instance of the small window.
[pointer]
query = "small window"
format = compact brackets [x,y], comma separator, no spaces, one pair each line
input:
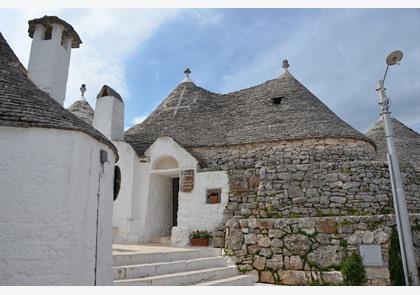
[213,195]
[48,33]
[276,100]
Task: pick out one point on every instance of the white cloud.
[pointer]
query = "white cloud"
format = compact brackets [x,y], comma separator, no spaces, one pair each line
[138,120]
[109,38]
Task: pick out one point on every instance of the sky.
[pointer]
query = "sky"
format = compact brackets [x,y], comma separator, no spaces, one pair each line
[338,54]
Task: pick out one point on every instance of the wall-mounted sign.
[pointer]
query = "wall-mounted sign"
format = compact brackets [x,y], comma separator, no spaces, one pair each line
[187,180]
[371,255]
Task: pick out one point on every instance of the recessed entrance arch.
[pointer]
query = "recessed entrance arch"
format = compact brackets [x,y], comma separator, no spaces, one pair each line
[163,197]
[165,162]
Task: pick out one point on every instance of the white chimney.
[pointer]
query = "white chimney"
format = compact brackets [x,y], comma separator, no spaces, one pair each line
[109,114]
[49,60]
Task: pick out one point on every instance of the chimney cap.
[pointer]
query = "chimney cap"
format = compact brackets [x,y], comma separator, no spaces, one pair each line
[49,20]
[108,91]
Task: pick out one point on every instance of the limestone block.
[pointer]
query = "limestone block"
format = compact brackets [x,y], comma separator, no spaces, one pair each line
[355,238]
[349,185]
[235,240]
[267,277]
[286,176]
[264,242]
[265,224]
[276,262]
[250,239]
[327,226]
[295,192]
[368,237]
[297,243]
[294,277]
[293,262]
[238,184]
[381,237]
[259,262]
[266,252]
[331,177]
[326,256]
[332,277]
[218,242]
[276,243]
[276,233]
[299,175]
[340,200]
[254,249]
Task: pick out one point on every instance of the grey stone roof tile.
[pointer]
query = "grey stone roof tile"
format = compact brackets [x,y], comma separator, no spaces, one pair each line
[407,141]
[196,117]
[83,110]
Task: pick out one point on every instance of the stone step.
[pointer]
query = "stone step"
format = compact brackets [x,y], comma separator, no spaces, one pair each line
[154,269]
[125,259]
[239,280]
[162,240]
[182,278]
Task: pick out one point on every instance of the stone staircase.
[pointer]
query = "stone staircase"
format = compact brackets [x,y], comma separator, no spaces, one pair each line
[191,266]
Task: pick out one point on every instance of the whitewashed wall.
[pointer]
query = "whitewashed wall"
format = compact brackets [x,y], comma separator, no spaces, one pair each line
[49,62]
[140,205]
[194,213]
[49,180]
[109,117]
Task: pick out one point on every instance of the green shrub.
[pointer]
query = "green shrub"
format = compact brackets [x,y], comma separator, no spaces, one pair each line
[395,266]
[353,271]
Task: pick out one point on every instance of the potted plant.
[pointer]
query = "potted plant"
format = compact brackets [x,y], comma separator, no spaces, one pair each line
[200,238]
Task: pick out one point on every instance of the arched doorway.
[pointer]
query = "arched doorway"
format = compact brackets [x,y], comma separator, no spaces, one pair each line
[163,196]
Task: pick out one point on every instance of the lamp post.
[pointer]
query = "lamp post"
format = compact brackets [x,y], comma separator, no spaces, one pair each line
[400,204]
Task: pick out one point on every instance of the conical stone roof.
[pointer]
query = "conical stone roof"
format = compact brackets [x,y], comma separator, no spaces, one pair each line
[23,104]
[407,141]
[83,110]
[279,109]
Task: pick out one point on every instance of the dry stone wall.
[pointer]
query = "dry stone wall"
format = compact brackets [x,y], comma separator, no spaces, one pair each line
[318,189]
[305,251]
[282,153]
[296,209]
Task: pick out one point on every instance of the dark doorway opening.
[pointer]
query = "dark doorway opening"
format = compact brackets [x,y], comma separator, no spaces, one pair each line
[175,195]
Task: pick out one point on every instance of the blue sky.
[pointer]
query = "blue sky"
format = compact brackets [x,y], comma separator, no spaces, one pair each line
[338,54]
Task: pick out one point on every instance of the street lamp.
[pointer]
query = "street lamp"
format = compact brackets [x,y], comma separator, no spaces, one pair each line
[400,204]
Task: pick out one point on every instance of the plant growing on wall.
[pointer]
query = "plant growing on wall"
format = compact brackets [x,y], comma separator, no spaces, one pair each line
[395,267]
[353,271]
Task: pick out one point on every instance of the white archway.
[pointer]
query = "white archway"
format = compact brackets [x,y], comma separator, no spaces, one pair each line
[165,162]
[163,197]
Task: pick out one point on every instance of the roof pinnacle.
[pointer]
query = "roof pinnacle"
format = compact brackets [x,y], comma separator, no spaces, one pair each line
[285,65]
[187,73]
[83,90]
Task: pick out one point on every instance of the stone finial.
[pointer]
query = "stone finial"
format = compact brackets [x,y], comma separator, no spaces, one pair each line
[285,65]
[83,90]
[187,73]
